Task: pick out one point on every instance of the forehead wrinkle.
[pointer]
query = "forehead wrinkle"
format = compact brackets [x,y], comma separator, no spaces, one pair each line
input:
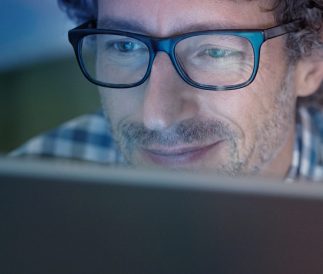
[109,22]
[138,27]
[158,25]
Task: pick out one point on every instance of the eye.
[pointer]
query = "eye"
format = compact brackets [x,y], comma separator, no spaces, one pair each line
[126,46]
[218,53]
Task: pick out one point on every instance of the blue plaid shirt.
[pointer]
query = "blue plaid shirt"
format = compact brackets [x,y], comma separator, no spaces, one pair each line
[88,138]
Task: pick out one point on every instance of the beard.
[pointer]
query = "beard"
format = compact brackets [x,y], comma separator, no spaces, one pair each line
[133,135]
[270,136]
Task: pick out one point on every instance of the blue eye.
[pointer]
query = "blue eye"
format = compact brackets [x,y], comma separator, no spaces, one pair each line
[126,46]
[218,53]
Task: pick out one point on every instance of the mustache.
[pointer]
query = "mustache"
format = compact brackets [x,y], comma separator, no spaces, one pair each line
[187,132]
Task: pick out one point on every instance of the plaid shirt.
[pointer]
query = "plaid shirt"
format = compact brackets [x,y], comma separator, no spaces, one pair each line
[307,163]
[88,138]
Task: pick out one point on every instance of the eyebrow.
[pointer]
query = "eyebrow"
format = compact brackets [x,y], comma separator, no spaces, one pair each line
[138,27]
[116,23]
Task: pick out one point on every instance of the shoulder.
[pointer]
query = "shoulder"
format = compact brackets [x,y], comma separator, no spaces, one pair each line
[85,138]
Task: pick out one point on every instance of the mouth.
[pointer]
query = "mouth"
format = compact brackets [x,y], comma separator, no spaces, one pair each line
[170,156]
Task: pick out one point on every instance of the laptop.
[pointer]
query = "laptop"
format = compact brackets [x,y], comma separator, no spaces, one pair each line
[76,218]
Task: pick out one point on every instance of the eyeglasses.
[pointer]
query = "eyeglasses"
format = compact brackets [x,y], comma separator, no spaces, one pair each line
[210,60]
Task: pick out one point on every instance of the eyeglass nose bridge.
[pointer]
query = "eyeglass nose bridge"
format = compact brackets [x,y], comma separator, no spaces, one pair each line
[159,44]
[166,45]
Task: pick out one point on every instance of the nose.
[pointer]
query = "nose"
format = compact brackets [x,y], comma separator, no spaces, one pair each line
[168,99]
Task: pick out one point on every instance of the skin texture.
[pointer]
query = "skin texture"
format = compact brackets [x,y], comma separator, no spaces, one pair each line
[167,123]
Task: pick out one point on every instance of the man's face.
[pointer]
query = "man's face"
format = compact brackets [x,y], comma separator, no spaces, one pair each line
[167,123]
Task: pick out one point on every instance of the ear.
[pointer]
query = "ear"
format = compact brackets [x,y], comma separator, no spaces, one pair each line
[308,75]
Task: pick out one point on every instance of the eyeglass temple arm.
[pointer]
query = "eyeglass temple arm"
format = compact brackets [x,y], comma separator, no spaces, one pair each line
[281,30]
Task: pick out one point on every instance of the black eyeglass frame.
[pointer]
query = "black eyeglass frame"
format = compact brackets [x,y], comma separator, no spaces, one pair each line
[256,37]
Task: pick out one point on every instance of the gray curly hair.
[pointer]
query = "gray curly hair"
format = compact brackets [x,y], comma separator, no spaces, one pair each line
[299,44]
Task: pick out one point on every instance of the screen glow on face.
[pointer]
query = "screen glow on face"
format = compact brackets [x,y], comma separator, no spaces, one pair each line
[216,59]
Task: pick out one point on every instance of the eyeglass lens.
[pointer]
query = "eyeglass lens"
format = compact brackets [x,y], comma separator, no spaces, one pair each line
[207,59]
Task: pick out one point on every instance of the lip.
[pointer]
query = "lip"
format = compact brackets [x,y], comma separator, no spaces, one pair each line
[168,156]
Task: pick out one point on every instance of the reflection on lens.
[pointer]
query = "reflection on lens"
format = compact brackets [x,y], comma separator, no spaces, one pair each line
[114,59]
[217,60]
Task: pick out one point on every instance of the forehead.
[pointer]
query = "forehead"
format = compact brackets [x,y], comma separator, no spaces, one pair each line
[168,17]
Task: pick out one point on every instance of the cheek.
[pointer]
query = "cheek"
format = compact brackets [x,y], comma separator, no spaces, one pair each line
[239,109]
[122,103]
[249,108]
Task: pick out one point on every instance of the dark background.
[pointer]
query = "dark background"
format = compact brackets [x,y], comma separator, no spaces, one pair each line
[41,85]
